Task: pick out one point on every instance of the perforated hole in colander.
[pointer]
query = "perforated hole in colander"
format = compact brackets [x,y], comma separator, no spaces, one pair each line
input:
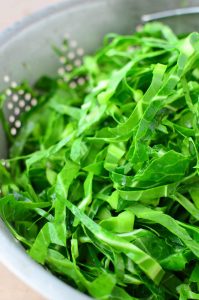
[18,100]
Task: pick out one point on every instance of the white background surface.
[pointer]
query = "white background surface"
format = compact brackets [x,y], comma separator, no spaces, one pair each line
[13,10]
[11,288]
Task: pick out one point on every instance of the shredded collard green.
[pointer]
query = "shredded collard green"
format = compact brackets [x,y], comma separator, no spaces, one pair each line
[103,185]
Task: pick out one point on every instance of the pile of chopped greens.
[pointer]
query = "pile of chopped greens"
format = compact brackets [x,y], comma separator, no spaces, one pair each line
[103,183]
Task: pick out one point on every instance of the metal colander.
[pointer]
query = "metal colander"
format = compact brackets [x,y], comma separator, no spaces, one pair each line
[26,54]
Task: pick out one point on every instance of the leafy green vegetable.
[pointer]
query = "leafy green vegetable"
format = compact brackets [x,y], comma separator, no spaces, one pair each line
[102,186]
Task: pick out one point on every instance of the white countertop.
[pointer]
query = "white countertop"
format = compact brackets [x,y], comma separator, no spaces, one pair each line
[11,288]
